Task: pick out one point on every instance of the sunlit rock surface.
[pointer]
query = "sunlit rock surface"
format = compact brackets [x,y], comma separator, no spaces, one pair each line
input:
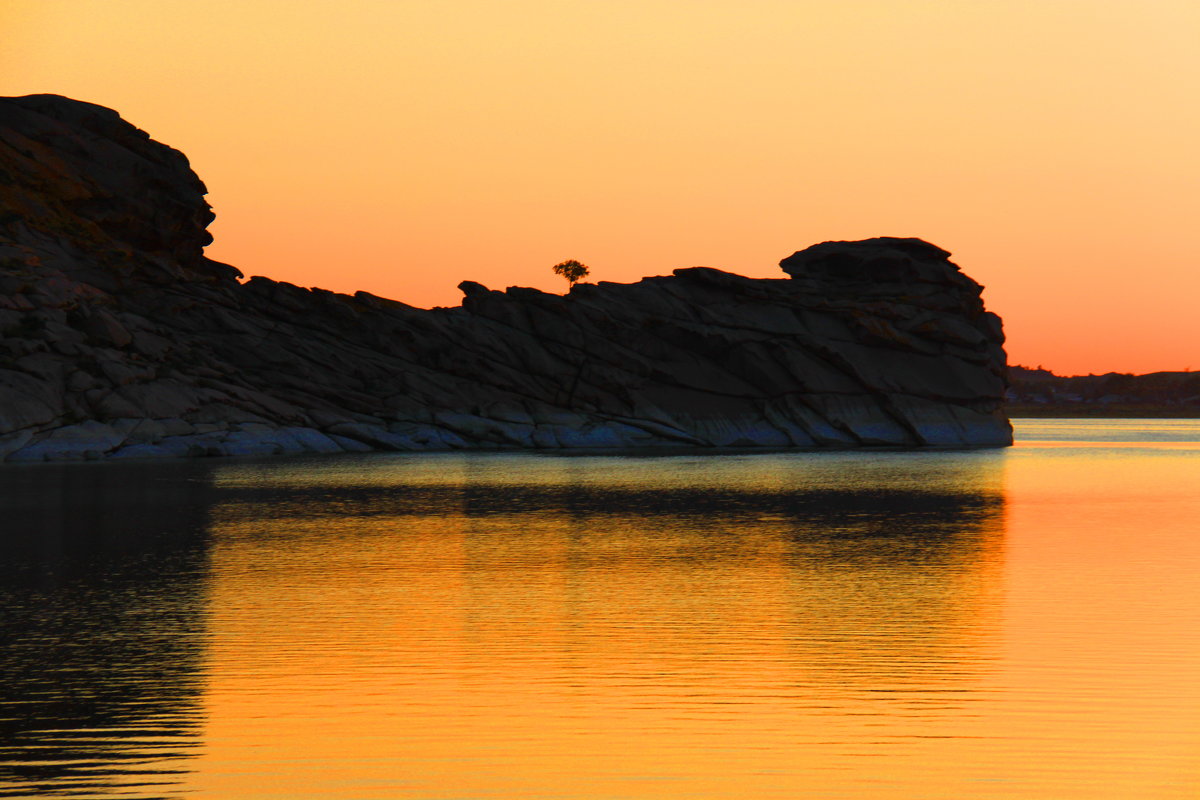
[121,340]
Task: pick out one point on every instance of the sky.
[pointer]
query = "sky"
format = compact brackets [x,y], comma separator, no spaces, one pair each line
[401,147]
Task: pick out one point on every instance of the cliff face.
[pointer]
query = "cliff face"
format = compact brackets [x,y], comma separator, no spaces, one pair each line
[120,339]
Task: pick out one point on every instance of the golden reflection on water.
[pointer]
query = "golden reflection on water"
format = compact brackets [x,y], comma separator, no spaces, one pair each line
[1103,650]
[624,627]
[1010,624]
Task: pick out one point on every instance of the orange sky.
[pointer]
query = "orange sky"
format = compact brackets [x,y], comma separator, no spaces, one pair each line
[403,146]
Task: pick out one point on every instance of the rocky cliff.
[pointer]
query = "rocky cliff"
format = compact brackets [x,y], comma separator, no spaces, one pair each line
[120,339]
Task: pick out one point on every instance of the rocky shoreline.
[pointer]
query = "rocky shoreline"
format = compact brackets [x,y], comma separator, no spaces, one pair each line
[120,339]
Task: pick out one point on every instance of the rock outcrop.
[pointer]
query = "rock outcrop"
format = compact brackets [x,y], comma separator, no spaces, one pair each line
[121,339]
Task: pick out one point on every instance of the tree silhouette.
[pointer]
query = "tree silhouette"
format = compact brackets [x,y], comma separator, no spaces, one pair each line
[572,270]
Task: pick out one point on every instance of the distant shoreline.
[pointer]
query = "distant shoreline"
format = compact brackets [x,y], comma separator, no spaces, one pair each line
[1018,411]
[1039,393]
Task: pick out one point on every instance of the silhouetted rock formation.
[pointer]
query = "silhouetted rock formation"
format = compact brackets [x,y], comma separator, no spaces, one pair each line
[120,339]
[1041,393]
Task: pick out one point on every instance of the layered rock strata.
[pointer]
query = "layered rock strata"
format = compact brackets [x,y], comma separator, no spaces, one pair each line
[120,339]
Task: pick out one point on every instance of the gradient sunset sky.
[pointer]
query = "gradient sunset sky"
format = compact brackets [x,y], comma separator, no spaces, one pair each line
[401,147]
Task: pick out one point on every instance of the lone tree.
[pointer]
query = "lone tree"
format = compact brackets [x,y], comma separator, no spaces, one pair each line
[572,270]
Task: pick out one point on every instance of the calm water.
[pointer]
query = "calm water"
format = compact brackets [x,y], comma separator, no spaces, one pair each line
[1017,623]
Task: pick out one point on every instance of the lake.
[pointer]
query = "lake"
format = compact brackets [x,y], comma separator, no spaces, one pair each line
[1011,623]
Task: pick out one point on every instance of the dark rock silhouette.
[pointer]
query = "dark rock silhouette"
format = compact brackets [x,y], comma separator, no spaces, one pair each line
[120,339]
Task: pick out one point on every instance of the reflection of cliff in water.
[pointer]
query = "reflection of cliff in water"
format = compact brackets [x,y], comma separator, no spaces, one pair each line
[855,572]
[876,585]
[102,575]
